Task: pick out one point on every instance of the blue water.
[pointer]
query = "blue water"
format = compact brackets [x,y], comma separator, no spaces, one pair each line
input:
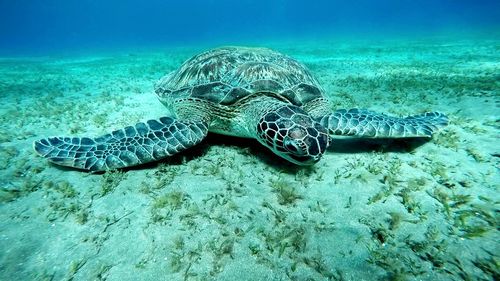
[38,27]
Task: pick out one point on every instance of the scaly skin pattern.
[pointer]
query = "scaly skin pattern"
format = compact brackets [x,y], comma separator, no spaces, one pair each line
[130,146]
[292,134]
[369,124]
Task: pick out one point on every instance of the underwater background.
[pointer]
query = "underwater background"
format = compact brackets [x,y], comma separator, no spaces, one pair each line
[228,209]
[41,27]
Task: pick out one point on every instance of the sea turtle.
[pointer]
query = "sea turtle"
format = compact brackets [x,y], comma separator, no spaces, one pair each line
[245,92]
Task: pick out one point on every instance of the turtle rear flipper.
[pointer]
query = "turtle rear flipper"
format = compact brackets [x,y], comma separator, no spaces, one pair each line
[130,146]
[369,124]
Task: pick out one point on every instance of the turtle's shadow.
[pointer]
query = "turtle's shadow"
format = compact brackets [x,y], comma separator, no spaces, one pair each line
[341,145]
[347,146]
[360,145]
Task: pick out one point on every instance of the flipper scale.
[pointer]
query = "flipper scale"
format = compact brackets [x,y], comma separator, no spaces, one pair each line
[369,124]
[133,145]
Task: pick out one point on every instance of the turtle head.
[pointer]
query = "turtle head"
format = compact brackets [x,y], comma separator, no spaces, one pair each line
[292,134]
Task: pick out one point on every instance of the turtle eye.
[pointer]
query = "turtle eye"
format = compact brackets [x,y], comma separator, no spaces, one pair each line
[292,146]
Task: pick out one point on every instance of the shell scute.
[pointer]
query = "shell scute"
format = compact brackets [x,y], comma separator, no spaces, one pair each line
[227,75]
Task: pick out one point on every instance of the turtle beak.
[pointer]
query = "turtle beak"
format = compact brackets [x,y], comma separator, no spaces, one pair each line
[305,160]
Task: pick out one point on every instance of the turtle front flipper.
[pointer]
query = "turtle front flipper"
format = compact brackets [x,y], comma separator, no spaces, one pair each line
[369,124]
[130,146]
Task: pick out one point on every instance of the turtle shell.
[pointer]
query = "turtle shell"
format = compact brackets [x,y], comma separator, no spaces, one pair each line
[227,75]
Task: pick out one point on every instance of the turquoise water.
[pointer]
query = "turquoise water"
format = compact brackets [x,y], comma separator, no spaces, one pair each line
[228,208]
[41,27]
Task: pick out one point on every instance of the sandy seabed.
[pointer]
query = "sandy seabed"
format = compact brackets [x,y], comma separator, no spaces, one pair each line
[230,210]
